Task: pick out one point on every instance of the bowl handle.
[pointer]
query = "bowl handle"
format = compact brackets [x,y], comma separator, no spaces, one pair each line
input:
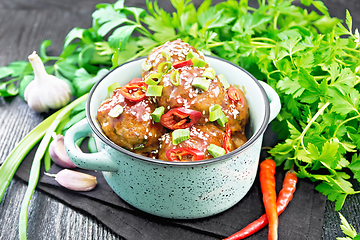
[274,100]
[93,161]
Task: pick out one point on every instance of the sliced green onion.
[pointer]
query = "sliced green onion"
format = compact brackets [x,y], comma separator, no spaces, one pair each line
[209,73]
[200,63]
[145,66]
[191,55]
[166,54]
[195,58]
[153,79]
[201,82]
[224,81]
[174,78]
[214,112]
[112,87]
[222,120]
[154,91]
[156,115]
[164,67]
[139,146]
[116,111]
[180,135]
[216,151]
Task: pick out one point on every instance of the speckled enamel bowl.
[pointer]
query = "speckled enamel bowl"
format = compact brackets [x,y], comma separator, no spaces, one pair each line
[180,190]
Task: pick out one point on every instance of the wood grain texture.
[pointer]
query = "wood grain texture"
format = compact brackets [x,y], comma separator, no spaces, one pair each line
[23,26]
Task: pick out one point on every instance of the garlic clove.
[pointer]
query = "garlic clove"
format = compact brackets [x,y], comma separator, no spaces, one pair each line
[74,180]
[58,153]
[45,91]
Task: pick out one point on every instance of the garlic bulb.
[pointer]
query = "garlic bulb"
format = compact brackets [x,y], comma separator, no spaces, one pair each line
[45,91]
[58,153]
[74,180]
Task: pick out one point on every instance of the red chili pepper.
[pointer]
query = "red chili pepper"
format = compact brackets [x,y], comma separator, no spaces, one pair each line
[180,118]
[267,183]
[185,154]
[285,196]
[134,80]
[227,139]
[234,94]
[134,91]
[184,63]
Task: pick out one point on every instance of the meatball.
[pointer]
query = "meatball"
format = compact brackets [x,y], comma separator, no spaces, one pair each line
[201,136]
[238,139]
[178,51]
[188,96]
[237,112]
[134,128]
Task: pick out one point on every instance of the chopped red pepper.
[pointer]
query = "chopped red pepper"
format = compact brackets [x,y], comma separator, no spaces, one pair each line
[185,154]
[134,80]
[184,63]
[180,117]
[235,95]
[227,139]
[134,91]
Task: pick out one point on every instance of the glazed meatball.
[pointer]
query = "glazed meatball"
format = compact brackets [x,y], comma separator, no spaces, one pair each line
[201,136]
[134,128]
[189,96]
[238,139]
[177,50]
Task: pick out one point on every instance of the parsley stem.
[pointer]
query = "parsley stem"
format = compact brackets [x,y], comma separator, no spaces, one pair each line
[263,39]
[275,19]
[301,137]
[12,80]
[347,120]
[218,44]
[351,49]
[144,31]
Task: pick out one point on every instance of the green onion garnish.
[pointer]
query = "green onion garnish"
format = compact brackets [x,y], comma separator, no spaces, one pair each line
[214,112]
[209,73]
[166,54]
[156,115]
[145,66]
[216,151]
[164,67]
[154,91]
[139,146]
[116,111]
[153,79]
[222,120]
[200,63]
[180,135]
[224,81]
[174,78]
[112,87]
[195,58]
[201,82]
[191,55]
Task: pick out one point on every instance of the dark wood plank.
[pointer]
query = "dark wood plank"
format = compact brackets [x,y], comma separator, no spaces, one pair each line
[24,24]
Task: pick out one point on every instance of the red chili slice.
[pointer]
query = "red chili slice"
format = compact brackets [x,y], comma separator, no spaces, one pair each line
[184,63]
[227,139]
[134,91]
[180,118]
[134,80]
[185,154]
[234,94]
